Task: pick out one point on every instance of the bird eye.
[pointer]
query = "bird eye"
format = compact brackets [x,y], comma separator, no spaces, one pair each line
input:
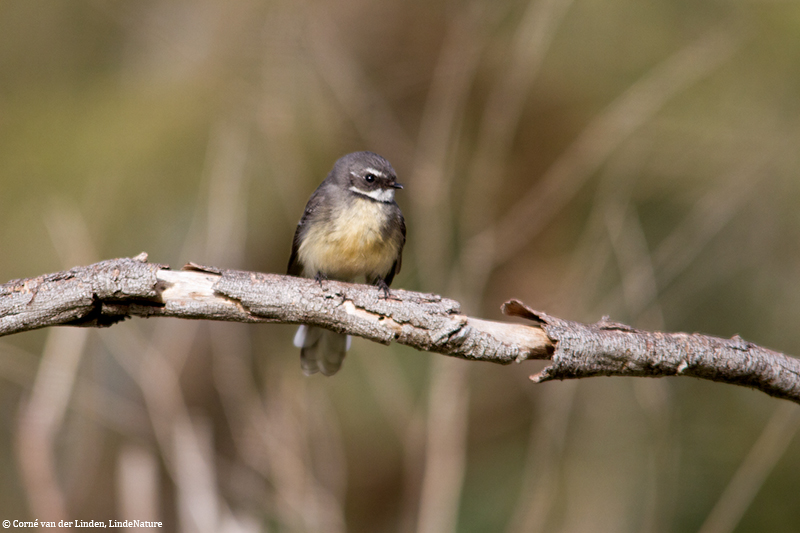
[370,178]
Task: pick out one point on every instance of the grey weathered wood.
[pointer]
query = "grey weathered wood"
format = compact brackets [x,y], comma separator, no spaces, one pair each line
[107,292]
[110,291]
[612,349]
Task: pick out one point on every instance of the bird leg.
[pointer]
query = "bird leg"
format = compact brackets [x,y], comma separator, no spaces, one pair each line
[319,277]
[383,286]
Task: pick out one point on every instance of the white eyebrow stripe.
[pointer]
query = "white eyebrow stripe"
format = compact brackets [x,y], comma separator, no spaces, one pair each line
[375,171]
[381,195]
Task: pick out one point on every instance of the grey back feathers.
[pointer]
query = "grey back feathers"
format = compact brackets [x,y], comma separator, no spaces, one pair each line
[351,228]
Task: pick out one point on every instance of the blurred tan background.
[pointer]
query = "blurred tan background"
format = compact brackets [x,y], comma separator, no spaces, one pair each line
[632,159]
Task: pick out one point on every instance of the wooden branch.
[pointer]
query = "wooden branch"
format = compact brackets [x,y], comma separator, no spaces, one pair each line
[104,293]
[613,349]
[107,292]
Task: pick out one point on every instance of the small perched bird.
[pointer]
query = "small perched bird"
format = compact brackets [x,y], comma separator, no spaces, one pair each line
[351,227]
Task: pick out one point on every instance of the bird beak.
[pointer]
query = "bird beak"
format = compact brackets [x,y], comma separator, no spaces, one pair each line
[396,185]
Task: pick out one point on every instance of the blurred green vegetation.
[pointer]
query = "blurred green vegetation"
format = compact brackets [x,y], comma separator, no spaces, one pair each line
[197,131]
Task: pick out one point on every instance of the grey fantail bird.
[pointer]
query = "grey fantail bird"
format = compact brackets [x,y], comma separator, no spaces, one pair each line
[351,228]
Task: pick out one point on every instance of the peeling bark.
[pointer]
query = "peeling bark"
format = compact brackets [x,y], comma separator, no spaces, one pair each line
[105,293]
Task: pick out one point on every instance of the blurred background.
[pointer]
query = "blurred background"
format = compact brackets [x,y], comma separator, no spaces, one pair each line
[589,157]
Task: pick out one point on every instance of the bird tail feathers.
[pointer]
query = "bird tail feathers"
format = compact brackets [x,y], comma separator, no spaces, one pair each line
[321,350]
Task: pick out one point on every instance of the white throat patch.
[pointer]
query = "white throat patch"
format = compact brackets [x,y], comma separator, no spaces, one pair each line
[381,195]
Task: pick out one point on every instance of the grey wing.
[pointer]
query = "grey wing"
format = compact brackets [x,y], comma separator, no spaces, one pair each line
[399,261]
[295,268]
